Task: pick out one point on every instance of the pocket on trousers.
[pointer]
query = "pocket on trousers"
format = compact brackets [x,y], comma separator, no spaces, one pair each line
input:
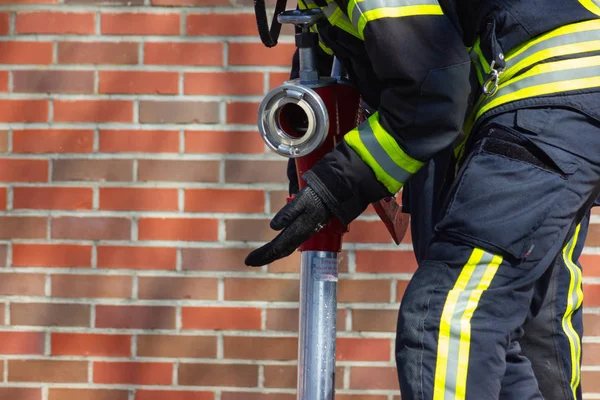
[505,192]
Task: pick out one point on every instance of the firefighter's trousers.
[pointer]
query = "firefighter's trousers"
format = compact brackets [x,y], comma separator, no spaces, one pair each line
[502,259]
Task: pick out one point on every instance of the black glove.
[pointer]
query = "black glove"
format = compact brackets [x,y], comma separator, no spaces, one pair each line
[300,219]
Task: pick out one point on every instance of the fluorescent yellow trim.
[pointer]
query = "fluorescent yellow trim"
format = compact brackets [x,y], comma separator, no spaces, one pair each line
[591,6]
[338,19]
[395,12]
[465,327]
[441,365]
[571,28]
[353,140]
[583,47]
[391,147]
[326,49]
[482,60]
[539,90]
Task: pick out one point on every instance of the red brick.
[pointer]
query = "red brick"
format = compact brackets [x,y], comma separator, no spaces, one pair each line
[178,171]
[177,346]
[237,24]
[135,317]
[224,200]
[179,112]
[590,381]
[117,141]
[87,394]
[401,286]
[130,257]
[260,348]
[15,284]
[218,375]
[92,286]
[377,378]
[262,289]
[184,229]
[172,395]
[590,264]
[21,393]
[138,199]
[277,79]
[364,291]
[374,320]
[223,142]
[48,314]
[43,22]
[363,349]
[258,54]
[591,354]
[73,82]
[385,261]
[3,141]
[249,230]
[367,232]
[14,170]
[22,227]
[255,171]
[591,323]
[91,228]
[47,371]
[92,170]
[52,198]
[3,198]
[53,141]
[51,255]
[591,294]
[4,23]
[3,81]
[97,53]
[22,343]
[22,111]
[142,82]
[137,373]
[221,318]
[258,396]
[25,53]
[140,24]
[214,259]
[224,83]
[207,54]
[85,344]
[176,288]
[242,113]
[93,111]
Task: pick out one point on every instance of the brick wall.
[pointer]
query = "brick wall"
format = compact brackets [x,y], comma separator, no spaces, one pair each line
[133,184]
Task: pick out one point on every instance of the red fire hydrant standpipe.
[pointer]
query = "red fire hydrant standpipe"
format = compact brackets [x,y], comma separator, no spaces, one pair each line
[304,119]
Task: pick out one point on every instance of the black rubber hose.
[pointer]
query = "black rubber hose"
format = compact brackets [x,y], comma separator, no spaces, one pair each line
[268,36]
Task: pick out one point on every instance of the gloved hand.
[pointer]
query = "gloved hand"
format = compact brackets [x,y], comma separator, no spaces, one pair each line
[300,219]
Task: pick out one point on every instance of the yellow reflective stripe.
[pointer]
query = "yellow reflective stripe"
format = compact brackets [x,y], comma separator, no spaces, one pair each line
[454,338]
[340,20]
[392,148]
[544,88]
[305,5]
[574,300]
[465,327]
[558,51]
[396,12]
[591,6]
[483,63]
[354,141]
[326,49]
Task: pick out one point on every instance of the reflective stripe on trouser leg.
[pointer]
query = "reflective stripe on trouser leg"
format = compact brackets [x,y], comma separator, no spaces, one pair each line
[455,326]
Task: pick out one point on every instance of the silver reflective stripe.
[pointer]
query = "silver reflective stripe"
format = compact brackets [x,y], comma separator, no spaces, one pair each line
[367,136]
[545,78]
[455,323]
[571,38]
[362,7]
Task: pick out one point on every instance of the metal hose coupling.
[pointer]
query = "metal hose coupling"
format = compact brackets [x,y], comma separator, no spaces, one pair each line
[293,120]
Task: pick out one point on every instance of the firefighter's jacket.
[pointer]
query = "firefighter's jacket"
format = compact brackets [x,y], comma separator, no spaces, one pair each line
[411,60]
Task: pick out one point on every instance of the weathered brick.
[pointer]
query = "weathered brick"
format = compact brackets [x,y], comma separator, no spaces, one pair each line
[223,142]
[87,394]
[141,199]
[186,229]
[224,83]
[137,373]
[25,52]
[214,259]
[221,318]
[86,344]
[138,82]
[52,198]
[142,141]
[130,257]
[204,54]
[260,348]
[47,371]
[238,24]
[177,346]
[179,112]
[92,170]
[239,112]
[223,200]
[258,54]
[261,289]
[92,286]
[22,228]
[364,291]
[374,320]
[238,375]
[16,284]
[178,171]
[97,53]
[175,288]
[374,378]
[51,255]
[49,314]
[30,81]
[91,228]
[254,171]
[21,393]
[135,317]
[93,111]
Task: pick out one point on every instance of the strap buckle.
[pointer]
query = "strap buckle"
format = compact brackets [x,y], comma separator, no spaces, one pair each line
[490,86]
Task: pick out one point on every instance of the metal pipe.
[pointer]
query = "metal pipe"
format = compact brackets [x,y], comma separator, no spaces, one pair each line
[318,310]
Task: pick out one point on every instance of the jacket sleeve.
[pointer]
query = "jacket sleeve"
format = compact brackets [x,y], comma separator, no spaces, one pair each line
[420,60]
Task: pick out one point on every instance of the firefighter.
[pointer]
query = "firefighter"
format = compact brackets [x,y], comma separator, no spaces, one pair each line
[511,223]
